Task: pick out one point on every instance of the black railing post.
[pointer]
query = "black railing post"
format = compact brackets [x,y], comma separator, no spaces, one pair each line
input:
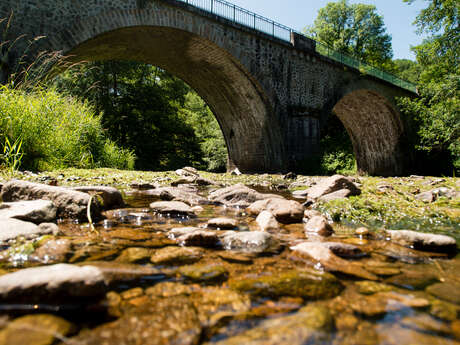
[212,6]
[234,13]
[254,21]
[273,29]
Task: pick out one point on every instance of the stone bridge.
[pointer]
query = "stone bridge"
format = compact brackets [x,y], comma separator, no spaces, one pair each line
[270,95]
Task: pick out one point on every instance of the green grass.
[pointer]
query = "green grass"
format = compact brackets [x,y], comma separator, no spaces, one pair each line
[57,132]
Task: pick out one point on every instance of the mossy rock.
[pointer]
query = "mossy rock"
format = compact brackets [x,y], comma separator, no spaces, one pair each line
[307,284]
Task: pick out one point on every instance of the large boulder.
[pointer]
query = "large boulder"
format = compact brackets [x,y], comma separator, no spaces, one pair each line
[69,203]
[285,211]
[423,241]
[238,196]
[111,196]
[36,211]
[333,184]
[11,228]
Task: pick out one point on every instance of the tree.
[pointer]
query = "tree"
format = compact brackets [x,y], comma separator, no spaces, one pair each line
[356,29]
[436,112]
[408,70]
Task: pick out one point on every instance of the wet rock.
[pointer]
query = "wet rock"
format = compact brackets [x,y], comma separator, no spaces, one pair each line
[344,250]
[444,310]
[311,325]
[337,195]
[319,225]
[179,194]
[13,228]
[175,233]
[40,329]
[69,203]
[204,273]
[134,255]
[53,251]
[397,252]
[413,280]
[249,241]
[362,231]
[456,328]
[176,256]
[308,214]
[238,196]
[321,254]
[235,258]
[199,238]
[267,221]
[333,184]
[172,208]
[425,323]
[307,284]
[169,289]
[162,321]
[384,302]
[369,287]
[222,223]
[448,291]
[397,335]
[285,211]
[142,185]
[35,211]
[50,282]
[423,241]
[111,196]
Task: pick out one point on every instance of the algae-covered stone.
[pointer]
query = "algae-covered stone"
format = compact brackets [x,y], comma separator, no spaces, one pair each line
[367,287]
[176,256]
[307,284]
[204,273]
[444,310]
[134,254]
[39,329]
[449,291]
[311,325]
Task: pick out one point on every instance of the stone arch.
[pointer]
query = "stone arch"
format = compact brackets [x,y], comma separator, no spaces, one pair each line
[197,53]
[375,128]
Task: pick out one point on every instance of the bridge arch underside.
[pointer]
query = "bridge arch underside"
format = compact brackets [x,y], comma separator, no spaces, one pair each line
[235,99]
[375,129]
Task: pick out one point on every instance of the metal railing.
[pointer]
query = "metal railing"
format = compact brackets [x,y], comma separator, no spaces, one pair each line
[254,21]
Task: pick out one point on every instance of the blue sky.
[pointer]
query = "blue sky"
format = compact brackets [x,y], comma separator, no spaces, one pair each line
[297,14]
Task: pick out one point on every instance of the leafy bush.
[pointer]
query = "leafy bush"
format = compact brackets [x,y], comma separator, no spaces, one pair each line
[57,131]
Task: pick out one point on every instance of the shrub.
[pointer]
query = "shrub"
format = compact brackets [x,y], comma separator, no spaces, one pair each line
[57,131]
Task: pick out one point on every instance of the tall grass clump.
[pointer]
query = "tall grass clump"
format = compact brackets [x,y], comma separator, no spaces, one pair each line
[57,131]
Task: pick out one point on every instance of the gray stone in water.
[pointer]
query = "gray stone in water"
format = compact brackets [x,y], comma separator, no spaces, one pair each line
[172,208]
[285,211]
[111,196]
[36,211]
[179,194]
[249,241]
[69,203]
[423,241]
[12,228]
[344,250]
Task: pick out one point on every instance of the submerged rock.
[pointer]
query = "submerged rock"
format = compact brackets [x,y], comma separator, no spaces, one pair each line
[69,203]
[172,208]
[35,211]
[285,211]
[134,255]
[423,241]
[176,256]
[310,325]
[238,196]
[204,273]
[249,241]
[40,329]
[321,254]
[199,238]
[53,251]
[159,322]
[111,196]
[448,291]
[307,284]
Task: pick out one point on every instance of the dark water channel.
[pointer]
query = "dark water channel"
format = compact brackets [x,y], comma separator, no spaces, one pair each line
[264,293]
